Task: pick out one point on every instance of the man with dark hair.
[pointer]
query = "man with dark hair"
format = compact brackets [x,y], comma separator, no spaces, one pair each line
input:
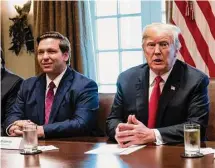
[61,101]
[156,99]
[10,84]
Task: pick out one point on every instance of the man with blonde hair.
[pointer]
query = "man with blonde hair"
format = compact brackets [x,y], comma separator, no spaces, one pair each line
[154,100]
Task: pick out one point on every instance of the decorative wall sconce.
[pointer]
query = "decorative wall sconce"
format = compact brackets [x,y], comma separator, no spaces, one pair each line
[20,31]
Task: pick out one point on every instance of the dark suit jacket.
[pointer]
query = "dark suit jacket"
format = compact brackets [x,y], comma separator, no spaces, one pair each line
[10,84]
[74,109]
[184,99]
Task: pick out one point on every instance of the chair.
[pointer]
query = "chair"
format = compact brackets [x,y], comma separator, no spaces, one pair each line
[105,103]
[210,132]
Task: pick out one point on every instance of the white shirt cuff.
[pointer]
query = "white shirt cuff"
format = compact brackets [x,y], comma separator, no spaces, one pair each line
[7,129]
[158,137]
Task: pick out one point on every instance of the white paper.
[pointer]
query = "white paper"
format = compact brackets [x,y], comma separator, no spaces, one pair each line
[47,148]
[206,151]
[114,149]
[132,149]
[10,142]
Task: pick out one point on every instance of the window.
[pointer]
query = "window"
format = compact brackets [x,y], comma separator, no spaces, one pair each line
[118,35]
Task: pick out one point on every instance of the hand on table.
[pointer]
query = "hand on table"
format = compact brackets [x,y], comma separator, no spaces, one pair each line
[133,132]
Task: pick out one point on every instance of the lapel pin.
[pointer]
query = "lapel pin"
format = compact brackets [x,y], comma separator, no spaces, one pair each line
[172,87]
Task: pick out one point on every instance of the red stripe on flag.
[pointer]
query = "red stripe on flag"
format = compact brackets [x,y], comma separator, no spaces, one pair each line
[208,13]
[184,51]
[199,40]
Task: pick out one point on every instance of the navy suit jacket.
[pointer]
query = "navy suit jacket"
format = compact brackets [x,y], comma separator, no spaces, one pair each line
[74,108]
[184,99]
[10,84]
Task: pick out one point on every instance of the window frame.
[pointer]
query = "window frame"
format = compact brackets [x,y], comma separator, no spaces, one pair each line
[151,9]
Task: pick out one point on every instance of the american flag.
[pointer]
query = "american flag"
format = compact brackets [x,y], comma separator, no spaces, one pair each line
[196,19]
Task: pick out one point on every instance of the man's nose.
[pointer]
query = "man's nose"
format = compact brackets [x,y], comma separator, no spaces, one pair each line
[157,49]
[45,55]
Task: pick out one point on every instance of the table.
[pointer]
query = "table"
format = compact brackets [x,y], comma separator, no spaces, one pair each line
[71,155]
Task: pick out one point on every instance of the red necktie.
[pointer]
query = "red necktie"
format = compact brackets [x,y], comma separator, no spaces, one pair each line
[49,101]
[153,103]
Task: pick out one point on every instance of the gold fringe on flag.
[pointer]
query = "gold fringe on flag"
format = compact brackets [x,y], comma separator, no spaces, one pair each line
[189,10]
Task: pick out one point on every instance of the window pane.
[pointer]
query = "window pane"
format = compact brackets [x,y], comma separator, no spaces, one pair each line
[107,89]
[105,8]
[131,59]
[107,34]
[130,32]
[163,6]
[163,17]
[117,24]
[108,67]
[129,7]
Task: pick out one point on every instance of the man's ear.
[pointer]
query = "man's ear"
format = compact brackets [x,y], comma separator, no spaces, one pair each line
[66,56]
[176,52]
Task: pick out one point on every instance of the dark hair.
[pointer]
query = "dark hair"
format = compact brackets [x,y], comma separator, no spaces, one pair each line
[64,42]
[2,59]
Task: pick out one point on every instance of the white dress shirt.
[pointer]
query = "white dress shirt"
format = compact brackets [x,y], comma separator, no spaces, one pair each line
[56,81]
[152,76]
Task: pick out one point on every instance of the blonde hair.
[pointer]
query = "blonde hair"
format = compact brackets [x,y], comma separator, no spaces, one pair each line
[173,30]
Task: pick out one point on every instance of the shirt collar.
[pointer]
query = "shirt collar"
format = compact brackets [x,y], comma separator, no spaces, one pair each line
[56,80]
[152,76]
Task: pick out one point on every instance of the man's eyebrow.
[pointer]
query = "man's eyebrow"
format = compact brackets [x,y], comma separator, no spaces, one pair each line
[150,42]
[51,49]
[163,41]
[48,49]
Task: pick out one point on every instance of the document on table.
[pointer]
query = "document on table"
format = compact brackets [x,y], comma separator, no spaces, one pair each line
[47,148]
[206,151]
[114,149]
[16,143]
[10,142]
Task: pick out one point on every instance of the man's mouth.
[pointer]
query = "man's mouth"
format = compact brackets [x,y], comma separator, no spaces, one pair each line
[157,60]
[46,65]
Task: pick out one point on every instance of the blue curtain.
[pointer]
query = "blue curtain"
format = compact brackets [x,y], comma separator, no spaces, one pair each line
[86,42]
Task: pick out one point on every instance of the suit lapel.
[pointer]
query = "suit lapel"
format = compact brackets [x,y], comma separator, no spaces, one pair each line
[64,85]
[40,98]
[170,88]
[142,85]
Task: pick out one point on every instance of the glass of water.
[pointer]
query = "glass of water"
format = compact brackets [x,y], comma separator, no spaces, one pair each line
[192,140]
[30,139]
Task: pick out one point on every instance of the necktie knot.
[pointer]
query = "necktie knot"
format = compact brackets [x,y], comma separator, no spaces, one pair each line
[51,85]
[158,79]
